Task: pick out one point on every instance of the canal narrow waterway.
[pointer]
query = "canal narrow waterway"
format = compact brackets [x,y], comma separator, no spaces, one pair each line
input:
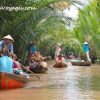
[70,83]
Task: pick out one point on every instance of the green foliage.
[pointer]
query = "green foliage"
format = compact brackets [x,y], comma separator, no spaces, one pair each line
[46,28]
[20,24]
[53,31]
[89,24]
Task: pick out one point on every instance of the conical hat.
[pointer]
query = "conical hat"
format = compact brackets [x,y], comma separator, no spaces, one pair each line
[58,44]
[44,64]
[85,43]
[8,37]
[31,42]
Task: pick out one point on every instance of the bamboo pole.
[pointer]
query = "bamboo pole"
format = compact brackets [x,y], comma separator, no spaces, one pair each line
[30,71]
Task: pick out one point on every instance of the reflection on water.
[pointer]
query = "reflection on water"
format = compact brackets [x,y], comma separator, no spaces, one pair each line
[71,83]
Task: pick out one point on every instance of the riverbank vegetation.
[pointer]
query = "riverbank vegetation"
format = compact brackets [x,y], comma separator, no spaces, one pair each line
[46,25]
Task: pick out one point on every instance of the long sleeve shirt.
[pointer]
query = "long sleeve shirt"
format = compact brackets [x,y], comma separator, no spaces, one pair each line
[86,48]
[10,46]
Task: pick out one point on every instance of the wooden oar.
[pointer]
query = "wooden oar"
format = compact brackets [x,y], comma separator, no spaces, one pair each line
[30,71]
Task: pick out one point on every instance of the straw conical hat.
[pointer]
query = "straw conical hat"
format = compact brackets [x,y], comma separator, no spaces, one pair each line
[85,43]
[44,64]
[8,37]
[58,44]
[31,42]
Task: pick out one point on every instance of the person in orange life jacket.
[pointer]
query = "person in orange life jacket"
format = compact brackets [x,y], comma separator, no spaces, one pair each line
[7,41]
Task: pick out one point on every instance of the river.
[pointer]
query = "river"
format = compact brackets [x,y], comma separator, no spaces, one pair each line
[70,83]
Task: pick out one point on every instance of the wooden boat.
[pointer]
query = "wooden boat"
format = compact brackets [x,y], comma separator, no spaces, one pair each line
[60,65]
[11,81]
[86,63]
[38,69]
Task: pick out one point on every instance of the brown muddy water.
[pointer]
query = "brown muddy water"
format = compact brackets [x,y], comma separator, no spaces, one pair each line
[70,83]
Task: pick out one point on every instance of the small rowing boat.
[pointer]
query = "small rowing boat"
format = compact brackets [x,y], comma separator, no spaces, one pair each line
[85,63]
[60,65]
[11,81]
[39,69]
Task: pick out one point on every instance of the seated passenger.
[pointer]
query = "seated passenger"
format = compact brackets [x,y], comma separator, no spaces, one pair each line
[71,56]
[17,67]
[6,63]
[60,62]
[33,62]
[60,58]
[38,57]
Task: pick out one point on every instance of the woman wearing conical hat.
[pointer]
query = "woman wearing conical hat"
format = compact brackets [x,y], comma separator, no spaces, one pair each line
[86,50]
[57,50]
[7,41]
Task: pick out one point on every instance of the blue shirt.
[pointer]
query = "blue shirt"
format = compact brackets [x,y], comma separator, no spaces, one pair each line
[6,64]
[10,46]
[86,48]
[33,49]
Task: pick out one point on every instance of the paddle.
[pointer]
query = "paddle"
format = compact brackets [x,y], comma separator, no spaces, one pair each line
[30,71]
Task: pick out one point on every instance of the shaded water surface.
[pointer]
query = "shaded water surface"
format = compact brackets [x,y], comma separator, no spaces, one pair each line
[70,83]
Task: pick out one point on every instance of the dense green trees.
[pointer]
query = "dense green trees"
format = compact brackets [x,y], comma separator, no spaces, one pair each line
[45,25]
[88,27]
